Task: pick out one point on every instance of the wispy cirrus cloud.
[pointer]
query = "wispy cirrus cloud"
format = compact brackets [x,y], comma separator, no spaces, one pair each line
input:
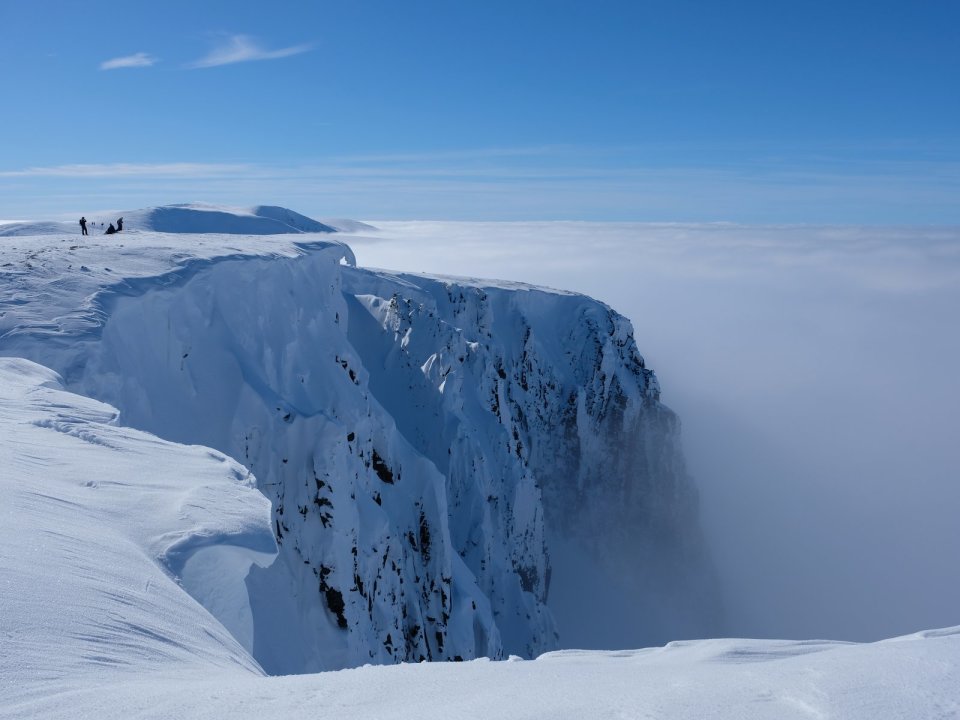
[109,170]
[140,59]
[243,48]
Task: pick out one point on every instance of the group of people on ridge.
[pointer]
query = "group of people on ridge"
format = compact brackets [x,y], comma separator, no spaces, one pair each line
[110,230]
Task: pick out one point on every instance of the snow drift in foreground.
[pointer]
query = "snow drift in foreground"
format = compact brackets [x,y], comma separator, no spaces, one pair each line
[104,528]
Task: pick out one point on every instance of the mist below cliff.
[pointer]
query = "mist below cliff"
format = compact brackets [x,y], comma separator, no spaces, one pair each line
[814,369]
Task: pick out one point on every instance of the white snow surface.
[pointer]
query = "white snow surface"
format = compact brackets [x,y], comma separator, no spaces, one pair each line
[99,524]
[406,430]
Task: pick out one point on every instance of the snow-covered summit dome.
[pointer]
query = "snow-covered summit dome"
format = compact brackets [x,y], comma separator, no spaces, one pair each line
[201,218]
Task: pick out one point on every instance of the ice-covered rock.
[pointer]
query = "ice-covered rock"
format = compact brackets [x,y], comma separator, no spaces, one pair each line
[550,413]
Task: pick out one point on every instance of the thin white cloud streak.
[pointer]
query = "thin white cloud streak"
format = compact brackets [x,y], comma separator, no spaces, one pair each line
[124,170]
[243,48]
[140,59]
[477,176]
[463,154]
[538,162]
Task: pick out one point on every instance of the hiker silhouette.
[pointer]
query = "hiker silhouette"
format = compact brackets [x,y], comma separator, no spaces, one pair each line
[83,225]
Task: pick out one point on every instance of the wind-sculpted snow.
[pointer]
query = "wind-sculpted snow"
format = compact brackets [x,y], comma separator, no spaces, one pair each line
[56,291]
[451,463]
[901,679]
[99,523]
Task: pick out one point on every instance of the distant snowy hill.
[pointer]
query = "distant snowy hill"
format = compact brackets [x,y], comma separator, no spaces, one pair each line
[186,218]
[197,218]
[43,227]
[432,469]
[349,226]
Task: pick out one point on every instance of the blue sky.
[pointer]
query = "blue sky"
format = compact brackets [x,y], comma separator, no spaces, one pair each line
[754,112]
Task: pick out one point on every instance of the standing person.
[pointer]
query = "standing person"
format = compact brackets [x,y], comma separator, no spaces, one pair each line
[119,224]
[83,225]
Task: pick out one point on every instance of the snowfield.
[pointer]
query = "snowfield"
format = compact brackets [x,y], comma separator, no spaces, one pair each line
[419,455]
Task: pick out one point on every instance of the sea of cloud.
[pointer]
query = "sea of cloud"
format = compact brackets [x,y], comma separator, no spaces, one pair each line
[816,372]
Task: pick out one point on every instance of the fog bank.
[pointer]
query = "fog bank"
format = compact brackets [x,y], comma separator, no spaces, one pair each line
[815,370]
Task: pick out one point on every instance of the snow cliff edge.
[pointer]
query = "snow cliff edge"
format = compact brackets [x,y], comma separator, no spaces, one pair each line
[457,468]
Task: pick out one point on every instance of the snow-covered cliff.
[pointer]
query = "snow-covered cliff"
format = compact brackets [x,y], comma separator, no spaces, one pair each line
[545,391]
[452,463]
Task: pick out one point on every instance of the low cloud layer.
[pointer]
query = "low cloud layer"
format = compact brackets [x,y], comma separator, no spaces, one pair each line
[815,371]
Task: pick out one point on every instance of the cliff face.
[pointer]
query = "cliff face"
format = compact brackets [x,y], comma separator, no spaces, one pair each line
[544,396]
[455,467]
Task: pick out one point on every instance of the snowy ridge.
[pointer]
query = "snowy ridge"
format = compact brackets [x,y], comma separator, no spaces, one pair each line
[201,218]
[55,291]
[186,218]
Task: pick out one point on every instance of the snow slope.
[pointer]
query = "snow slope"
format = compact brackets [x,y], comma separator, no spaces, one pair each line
[103,527]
